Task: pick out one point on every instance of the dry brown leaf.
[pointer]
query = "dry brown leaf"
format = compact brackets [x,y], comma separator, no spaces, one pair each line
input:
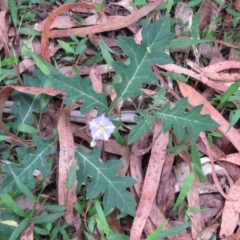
[50,19]
[185,14]
[137,174]
[113,95]
[126,162]
[156,216]
[232,158]
[166,192]
[214,175]
[126,4]
[193,198]
[113,23]
[28,233]
[231,211]
[205,14]
[114,223]
[61,22]
[151,182]
[96,79]
[218,154]
[4,32]
[4,5]
[207,233]
[26,64]
[174,68]
[196,217]
[237,5]
[84,70]
[66,159]
[111,42]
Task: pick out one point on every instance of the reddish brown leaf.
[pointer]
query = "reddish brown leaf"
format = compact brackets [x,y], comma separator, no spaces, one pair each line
[66,159]
[151,182]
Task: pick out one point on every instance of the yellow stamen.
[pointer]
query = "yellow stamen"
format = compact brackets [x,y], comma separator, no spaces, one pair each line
[101,129]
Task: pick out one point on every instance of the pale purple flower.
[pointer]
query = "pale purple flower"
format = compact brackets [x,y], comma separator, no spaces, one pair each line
[101,128]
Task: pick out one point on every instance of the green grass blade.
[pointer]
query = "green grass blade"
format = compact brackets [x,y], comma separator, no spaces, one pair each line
[17,231]
[7,199]
[47,218]
[185,189]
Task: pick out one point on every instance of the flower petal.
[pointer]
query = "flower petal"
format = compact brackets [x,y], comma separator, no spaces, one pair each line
[101,128]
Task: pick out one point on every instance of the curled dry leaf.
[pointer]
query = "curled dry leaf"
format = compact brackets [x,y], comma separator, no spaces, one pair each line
[49,21]
[112,23]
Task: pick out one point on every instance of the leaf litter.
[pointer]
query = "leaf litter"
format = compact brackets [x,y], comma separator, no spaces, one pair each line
[155,141]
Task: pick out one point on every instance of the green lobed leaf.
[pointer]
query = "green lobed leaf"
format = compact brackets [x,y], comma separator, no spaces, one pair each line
[31,159]
[78,88]
[155,37]
[144,124]
[180,120]
[104,179]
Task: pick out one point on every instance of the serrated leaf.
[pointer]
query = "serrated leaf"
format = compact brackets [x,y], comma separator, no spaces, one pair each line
[27,104]
[155,37]
[104,179]
[31,159]
[144,124]
[78,88]
[179,119]
[159,97]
